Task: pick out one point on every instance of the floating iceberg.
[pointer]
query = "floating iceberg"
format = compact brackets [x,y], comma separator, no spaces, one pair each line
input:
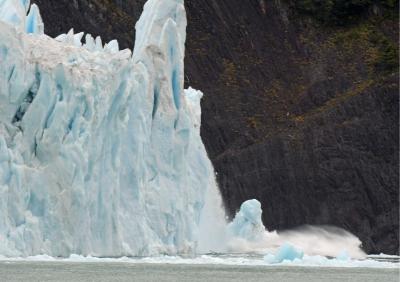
[343,256]
[100,151]
[285,252]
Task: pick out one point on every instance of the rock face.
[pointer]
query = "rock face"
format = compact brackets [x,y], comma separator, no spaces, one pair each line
[300,112]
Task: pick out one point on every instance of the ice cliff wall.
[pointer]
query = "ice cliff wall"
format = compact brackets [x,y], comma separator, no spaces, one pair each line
[100,151]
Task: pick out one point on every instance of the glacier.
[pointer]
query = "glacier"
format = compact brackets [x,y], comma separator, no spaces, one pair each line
[100,149]
[101,154]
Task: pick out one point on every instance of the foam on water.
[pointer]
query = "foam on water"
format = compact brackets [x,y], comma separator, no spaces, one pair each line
[240,260]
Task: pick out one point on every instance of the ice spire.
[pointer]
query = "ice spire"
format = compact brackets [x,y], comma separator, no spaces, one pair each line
[14,12]
[34,23]
[26,4]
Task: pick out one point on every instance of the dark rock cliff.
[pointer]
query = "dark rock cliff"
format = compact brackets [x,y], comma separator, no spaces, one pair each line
[301,103]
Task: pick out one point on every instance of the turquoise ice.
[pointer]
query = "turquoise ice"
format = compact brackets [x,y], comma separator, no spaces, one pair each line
[286,252]
[247,223]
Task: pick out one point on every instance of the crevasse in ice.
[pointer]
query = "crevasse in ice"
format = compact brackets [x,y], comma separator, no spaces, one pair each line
[100,151]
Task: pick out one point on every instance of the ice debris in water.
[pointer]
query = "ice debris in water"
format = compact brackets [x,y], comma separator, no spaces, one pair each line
[343,256]
[285,252]
[100,153]
[247,223]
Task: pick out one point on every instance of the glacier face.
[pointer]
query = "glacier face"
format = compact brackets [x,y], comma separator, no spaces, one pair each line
[100,150]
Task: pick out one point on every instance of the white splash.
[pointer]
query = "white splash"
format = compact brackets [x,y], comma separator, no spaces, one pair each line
[247,234]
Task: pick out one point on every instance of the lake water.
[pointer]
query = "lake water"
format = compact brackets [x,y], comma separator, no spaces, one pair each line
[119,271]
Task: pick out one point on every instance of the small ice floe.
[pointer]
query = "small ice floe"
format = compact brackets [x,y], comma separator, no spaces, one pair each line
[286,252]
[343,256]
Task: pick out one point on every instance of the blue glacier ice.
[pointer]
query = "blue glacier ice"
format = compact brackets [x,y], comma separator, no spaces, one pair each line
[34,23]
[343,256]
[14,12]
[100,150]
[247,223]
[285,252]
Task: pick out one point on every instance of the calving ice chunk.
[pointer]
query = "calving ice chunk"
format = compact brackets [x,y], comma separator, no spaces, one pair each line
[247,223]
[246,233]
[100,151]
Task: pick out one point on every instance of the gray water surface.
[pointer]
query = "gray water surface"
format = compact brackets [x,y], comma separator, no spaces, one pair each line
[67,271]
